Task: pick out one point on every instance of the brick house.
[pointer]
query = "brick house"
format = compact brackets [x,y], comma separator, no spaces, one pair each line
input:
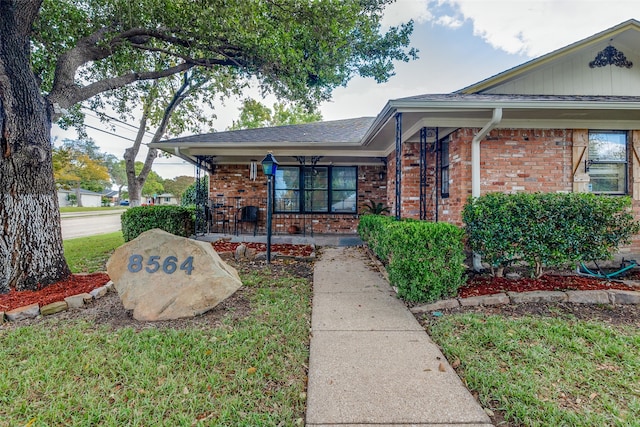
[566,121]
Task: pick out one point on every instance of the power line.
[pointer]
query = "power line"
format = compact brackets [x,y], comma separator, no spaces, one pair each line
[91,113]
[110,133]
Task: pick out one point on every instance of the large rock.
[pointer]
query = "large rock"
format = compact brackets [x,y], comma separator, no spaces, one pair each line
[161,276]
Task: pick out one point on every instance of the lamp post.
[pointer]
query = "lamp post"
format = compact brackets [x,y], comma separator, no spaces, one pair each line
[269,167]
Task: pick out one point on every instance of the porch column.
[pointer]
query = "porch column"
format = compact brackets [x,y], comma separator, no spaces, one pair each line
[398,165]
[423,174]
[580,154]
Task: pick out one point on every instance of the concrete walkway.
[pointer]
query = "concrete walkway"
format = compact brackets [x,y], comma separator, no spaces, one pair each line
[371,362]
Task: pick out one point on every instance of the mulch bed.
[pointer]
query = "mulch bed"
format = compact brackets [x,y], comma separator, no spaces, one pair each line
[486,285]
[74,285]
[282,249]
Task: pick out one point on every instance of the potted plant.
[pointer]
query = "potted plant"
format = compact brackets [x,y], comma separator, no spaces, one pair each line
[376,208]
[293,229]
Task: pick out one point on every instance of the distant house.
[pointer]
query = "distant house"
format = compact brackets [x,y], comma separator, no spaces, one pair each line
[166,199]
[111,196]
[568,121]
[89,198]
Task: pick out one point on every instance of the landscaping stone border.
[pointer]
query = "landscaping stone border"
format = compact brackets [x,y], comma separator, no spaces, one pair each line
[612,296]
[75,301]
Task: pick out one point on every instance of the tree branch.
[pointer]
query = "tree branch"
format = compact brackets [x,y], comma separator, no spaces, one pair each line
[75,94]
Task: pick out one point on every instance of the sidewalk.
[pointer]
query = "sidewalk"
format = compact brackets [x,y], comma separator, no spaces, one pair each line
[371,362]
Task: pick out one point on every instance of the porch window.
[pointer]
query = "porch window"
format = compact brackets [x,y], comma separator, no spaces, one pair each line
[608,162]
[444,168]
[318,189]
[287,189]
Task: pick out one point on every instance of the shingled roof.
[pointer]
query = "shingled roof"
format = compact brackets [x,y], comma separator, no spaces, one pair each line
[523,98]
[337,131]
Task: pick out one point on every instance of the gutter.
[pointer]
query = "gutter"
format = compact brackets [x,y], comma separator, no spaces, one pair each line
[475,166]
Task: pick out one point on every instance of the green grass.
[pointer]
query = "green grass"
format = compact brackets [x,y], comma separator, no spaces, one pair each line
[90,254]
[247,372]
[89,209]
[542,371]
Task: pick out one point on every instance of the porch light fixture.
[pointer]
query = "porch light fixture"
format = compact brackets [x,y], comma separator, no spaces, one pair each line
[269,167]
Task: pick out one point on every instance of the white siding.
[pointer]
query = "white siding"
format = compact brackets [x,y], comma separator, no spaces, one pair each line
[571,75]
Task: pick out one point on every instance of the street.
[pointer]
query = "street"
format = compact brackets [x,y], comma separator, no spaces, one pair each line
[90,223]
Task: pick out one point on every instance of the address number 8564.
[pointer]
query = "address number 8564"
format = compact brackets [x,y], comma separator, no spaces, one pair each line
[155,264]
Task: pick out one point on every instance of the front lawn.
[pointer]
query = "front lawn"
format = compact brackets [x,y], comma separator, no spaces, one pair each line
[546,371]
[90,254]
[246,369]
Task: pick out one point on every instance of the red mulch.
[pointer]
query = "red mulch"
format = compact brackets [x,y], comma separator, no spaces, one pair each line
[75,284]
[483,285]
[283,249]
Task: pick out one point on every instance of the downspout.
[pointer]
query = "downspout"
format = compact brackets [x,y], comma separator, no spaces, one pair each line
[475,151]
[475,166]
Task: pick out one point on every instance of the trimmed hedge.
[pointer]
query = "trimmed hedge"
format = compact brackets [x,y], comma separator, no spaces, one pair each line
[547,229]
[425,259]
[371,230]
[176,220]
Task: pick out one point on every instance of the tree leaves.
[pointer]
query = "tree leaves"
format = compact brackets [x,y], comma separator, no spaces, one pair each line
[297,50]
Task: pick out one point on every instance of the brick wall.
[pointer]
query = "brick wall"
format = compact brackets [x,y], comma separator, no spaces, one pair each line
[230,185]
[511,161]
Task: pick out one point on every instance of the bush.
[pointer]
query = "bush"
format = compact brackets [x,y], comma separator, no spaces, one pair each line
[547,229]
[190,194]
[425,259]
[176,220]
[371,230]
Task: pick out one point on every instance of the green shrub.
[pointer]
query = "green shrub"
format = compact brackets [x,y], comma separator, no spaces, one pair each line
[425,259]
[371,230]
[374,208]
[177,220]
[190,194]
[547,229]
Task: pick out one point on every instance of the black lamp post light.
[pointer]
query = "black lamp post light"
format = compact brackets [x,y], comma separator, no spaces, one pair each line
[269,167]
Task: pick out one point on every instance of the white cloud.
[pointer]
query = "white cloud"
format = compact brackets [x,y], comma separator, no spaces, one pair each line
[536,27]
[404,10]
[529,27]
[450,22]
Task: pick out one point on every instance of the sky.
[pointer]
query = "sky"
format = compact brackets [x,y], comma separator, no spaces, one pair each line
[460,42]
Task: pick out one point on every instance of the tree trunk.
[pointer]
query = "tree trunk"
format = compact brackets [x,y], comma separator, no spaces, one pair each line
[78,196]
[31,251]
[135,194]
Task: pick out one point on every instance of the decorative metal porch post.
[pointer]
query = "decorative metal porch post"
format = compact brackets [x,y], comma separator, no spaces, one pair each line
[423,174]
[398,164]
[269,167]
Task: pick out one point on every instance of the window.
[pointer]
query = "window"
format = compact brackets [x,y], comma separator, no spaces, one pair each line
[287,189]
[444,168]
[318,189]
[608,162]
[344,189]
